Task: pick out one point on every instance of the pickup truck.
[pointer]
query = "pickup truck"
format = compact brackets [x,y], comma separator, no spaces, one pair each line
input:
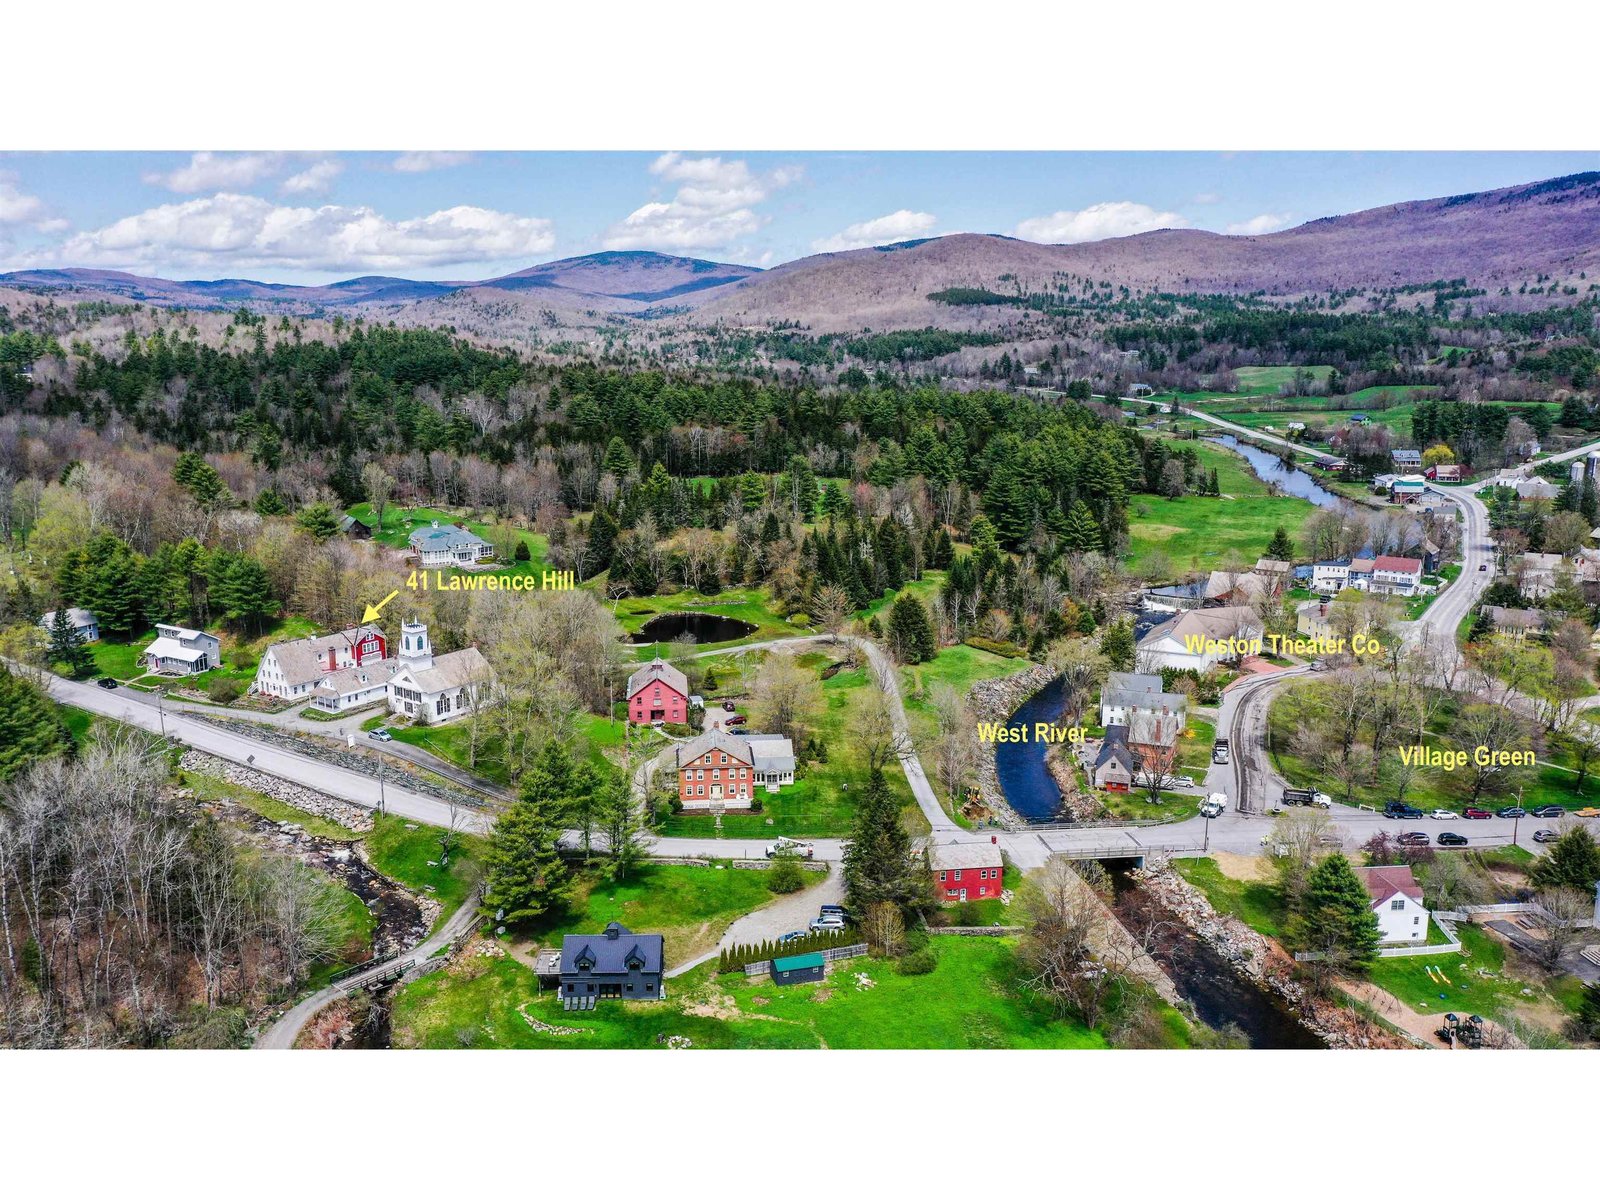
[1214,805]
[790,847]
[1219,752]
[1397,810]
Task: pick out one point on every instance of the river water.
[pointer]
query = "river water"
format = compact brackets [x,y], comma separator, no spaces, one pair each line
[1029,788]
[1269,468]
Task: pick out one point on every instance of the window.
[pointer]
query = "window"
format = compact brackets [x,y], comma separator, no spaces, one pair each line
[1397,905]
[956,875]
[1416,920]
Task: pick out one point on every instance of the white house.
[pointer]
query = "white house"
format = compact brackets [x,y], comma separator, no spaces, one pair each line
[1200,639]
[81,619]
[1396,576]
[431,689]
[1539,574]
[1330,576]
[293,670]
[1126,695]
[449,546]
[180,651]
[1397,903]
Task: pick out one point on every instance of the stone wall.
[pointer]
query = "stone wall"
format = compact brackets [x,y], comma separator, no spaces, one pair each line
[341,812]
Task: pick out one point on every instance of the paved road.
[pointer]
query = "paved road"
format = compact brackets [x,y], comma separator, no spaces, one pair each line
[281,1034]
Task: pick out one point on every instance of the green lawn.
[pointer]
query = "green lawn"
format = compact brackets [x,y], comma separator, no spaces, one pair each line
[399,523]
[121,660]
[690,906]
[1254,902]
[751,605]
[820,802]
[1197,532]
[1194,748]
[404,854]
[925,589]
[353,926]
[1477,980]
[974,999]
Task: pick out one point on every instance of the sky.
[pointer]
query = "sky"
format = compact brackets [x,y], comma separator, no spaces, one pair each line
[320,217]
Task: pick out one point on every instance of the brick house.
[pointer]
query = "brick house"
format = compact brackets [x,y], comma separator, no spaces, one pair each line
[719,768]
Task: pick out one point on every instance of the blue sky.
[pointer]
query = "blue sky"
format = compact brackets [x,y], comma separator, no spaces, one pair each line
[319,217]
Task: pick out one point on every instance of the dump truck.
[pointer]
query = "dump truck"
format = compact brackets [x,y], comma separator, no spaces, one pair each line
[1306,797]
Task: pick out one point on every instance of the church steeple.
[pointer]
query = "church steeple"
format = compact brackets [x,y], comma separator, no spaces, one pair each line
[415,649]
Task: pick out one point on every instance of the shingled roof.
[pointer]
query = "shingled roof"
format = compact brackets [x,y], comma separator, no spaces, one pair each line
[610,952]
[658,671]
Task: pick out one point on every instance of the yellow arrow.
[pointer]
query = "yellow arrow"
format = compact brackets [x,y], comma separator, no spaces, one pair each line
[372,609]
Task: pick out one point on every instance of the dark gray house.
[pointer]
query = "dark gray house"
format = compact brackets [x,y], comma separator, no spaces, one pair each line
[615,965]
[798,968]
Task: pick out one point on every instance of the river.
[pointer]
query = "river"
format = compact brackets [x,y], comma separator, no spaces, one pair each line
[1219,995]
[1269,468]
[1029,788]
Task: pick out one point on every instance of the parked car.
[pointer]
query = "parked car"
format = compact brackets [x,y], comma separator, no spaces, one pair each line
[1483,566]
[381,734]
[108,683]
[727,706]
[1511,810]
[1414,837]
[1319,665]
[1547,810]
[794,935]
[736,719]
[789,846]
[831,910]
[1442,814]
[1545,835]
[1398,810]
[1477,814]
[1452,839]
[827,924]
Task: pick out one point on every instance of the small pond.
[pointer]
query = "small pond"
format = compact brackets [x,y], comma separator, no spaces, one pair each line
[702,627]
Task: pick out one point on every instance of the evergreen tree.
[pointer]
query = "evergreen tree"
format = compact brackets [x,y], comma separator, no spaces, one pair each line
[1335,918]
[1281,547]
[526,875]
[200,478]
[1573,861]
[319,521]
[1117,644]
[270,504]
[1081,533]
[31,727]
[617,461]
[880,863]
[910,630]
[67,646]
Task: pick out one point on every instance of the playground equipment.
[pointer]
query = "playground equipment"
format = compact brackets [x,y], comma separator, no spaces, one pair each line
[1455,1031]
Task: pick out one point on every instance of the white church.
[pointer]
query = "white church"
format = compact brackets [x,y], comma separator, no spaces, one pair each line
[432,688]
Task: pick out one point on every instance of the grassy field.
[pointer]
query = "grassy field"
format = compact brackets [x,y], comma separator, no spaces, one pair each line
[974,998]
[211,788]
[404,855]
[690,906]
[1254,902]
[819,803]
[751,605]
[1478,980]
[399,524]
[1195,533]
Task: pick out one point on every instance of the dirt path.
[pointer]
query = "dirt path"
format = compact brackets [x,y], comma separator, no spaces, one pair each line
[1422,1026]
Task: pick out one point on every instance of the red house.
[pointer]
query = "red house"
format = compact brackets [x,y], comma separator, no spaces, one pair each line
[967,870]
[658,691]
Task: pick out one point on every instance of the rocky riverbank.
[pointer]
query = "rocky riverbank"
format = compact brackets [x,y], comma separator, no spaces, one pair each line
[1076,804]
[352,816]
[996,700]
[1261,961]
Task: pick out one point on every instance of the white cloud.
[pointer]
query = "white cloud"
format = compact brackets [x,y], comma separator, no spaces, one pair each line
[206,172]
[415,161]
[1263,223]
[318,177]
[713,206]
[1112,218]
[899,226]
[245,231]
[19,208]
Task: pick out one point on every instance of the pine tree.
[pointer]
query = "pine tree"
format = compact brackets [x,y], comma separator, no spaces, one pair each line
[1335,917]
[1082,534]
[617,461]
[318,520]
[270,504]
[67,646]
[30,725]
[527,876]
[910,631]
[880,862]
[1573,862]
[1281,547]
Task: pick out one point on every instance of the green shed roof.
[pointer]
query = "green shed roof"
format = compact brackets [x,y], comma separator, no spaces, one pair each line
[798,962]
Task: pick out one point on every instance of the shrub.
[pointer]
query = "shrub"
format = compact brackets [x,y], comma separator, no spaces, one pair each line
[522,553]
[224,690]
[1003,649]
[785,876]
[756,804]
[917,962]
[966,913]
